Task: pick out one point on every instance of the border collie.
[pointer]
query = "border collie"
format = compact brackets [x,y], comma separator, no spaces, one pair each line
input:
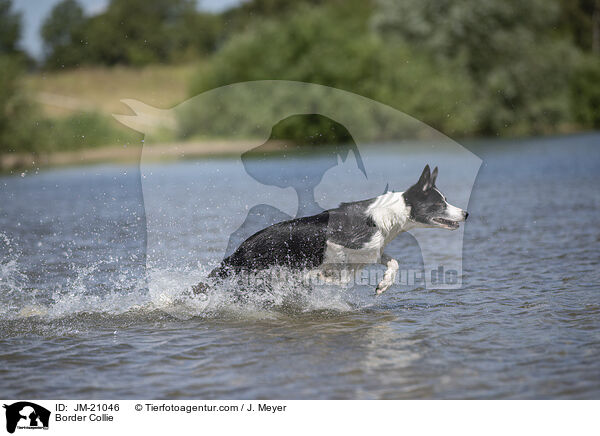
[342,241]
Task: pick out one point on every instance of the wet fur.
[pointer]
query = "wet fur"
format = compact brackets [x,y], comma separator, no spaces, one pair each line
[347,238]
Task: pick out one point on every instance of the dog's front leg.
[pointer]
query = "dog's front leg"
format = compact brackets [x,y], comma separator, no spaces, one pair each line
[390,273]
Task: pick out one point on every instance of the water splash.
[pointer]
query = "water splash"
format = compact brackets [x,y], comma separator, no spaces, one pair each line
[169,291]
[11,279]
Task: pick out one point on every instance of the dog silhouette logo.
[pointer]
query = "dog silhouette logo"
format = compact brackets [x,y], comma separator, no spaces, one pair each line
[330,146]
[26,415]
[326,131]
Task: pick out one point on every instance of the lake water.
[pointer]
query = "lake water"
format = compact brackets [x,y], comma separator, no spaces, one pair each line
[81,315]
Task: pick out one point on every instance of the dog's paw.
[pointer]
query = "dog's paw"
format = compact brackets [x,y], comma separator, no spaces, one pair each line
[383,286]
[388,278]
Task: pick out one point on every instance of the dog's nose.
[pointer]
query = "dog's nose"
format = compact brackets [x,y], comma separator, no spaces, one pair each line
[466,214]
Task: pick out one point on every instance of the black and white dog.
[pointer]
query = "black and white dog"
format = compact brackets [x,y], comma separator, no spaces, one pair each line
[346,239]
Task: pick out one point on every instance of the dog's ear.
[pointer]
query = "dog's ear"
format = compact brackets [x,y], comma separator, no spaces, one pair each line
[424,180]
[434,176]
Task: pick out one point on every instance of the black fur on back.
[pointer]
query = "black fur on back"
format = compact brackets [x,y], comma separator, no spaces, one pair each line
[301,242]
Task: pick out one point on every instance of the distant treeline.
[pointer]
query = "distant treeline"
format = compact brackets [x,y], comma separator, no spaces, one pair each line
[465,67]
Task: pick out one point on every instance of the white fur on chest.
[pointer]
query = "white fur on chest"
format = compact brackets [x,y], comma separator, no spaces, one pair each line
[390,215]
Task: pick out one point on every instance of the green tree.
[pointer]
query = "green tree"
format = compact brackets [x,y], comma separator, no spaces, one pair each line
[508,50]
[585,93]
[580,21]
[17,122]
[305,46]
[139,32]
[248,13]
[129,32]
[10,28]
[62,33]
[302,46]
[198,34]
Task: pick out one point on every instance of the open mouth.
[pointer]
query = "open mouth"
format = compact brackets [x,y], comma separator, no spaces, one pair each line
[447,224]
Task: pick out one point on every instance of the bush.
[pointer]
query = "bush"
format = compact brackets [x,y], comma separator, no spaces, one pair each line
[585,93]
[509,51]
[305,46]
[528,94]
[23,129]
[18,114]
[129,32]
[84,131]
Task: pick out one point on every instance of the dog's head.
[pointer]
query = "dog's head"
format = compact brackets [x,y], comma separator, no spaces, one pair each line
[428,206]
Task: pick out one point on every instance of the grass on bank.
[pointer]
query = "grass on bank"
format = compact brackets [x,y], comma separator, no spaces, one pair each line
[72,110]
[100,89]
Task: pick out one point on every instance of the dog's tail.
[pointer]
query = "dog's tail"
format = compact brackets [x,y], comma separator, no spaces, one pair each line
[219,273]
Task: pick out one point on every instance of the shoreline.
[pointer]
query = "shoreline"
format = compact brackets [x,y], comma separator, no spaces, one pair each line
[172,151]
[130,153]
